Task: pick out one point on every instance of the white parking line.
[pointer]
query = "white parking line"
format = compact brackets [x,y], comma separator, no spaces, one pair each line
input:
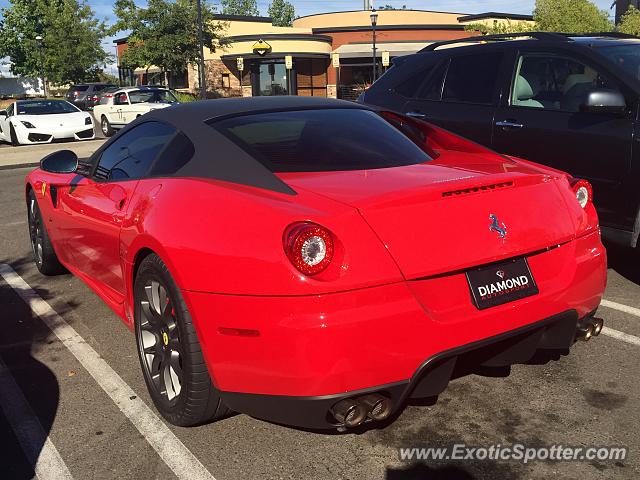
[170,449]
[41,454]
[625,337]
[621,308]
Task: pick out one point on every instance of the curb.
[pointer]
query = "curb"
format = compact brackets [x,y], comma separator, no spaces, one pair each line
[19,165]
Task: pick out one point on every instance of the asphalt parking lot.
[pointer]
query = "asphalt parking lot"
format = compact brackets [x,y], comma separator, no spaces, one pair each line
[85,415]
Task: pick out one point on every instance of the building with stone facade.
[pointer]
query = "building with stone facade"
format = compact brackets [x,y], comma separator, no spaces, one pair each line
[327,54]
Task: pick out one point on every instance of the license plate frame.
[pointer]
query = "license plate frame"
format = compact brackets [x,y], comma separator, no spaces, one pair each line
[500,283]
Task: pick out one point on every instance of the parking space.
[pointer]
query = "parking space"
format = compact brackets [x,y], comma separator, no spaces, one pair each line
[75,367]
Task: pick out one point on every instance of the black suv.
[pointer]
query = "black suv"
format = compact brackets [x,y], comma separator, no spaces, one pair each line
[570,102]
[86,95]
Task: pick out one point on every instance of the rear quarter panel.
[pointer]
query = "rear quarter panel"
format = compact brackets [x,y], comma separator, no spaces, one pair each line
[224,238]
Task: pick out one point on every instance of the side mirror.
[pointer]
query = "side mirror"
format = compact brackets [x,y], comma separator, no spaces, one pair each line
[62,161]
[604,101]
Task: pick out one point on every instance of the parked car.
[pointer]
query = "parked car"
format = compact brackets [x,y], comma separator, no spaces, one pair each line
[43,121]
[122,106]
[570,102]
[316,262]
[85,95]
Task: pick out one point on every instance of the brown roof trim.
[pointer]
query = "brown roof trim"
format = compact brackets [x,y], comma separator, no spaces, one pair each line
[498,15]
[304,37]
[386,28]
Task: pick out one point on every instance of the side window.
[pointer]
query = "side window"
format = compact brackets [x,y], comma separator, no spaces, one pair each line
[553,82]
[10,110]
[131,155]
[472,78]
[175,156]
[432,89]
[121,99]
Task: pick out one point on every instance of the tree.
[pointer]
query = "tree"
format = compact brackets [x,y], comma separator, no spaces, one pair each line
[164,33]
[71,49]
[570,16]
[630,21]
[240,7]
[282,13]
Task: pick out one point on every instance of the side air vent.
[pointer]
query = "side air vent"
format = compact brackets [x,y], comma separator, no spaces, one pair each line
[479,189]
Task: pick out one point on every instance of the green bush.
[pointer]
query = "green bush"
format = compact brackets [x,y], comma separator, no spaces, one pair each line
[185,97]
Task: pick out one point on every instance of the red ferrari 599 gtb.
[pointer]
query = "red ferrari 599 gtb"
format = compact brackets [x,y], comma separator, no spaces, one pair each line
[314,262]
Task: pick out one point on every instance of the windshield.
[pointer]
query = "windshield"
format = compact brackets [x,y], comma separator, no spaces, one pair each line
[45,107]
[625,56]
[322,140]
[152,96]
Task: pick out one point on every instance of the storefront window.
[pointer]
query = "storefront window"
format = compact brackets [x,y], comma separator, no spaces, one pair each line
[273,79]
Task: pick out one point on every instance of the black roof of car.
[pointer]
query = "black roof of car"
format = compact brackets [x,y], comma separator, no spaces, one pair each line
[591,39]
[216,156]
[186,115]
[83,84]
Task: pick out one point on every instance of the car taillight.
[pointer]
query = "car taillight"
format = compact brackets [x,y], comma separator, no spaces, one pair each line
[583,191]
[309,247]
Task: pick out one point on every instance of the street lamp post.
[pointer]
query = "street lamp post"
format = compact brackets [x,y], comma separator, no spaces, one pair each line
[374,22]
[201,66]
[40,45]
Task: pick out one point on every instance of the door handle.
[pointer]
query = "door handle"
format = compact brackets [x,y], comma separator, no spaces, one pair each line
[416,115]
[509,124]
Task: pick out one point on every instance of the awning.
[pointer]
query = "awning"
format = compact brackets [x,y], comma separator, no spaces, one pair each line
[396,49]
[151,69]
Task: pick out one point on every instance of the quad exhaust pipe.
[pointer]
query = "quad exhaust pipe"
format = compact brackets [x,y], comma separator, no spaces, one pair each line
[352,412]
[588,328]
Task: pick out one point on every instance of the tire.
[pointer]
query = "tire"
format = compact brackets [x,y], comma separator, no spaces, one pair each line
[14,137]
[169,351]
[44,256]
[105,126]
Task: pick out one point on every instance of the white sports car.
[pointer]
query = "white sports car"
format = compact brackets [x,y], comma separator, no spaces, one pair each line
[121,107]
[43,121]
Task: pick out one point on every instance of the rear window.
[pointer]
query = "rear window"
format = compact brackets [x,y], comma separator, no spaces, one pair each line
[79,88]
[321,140]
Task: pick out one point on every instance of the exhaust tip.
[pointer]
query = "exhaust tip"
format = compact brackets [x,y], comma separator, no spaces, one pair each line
[378,407]
[585,332]
[349,413]
[597,323]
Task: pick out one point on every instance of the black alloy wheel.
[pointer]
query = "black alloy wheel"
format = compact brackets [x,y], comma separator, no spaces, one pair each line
[169,350]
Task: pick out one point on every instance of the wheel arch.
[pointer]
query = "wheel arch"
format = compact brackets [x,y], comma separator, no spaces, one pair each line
[28,188]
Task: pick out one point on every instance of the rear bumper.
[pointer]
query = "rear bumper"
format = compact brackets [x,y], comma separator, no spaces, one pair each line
[556,333]
[314,350]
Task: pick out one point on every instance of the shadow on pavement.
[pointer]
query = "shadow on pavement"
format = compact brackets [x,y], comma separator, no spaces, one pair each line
[625,261]
[23,335]
[421,471]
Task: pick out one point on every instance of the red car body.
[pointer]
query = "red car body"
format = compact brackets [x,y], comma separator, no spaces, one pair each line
[393,312]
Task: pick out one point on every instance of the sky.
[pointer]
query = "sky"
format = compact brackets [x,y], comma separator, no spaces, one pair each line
[104,9]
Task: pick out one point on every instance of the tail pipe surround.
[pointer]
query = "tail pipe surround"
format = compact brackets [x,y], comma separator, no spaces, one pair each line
[589,327]
[352,412]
